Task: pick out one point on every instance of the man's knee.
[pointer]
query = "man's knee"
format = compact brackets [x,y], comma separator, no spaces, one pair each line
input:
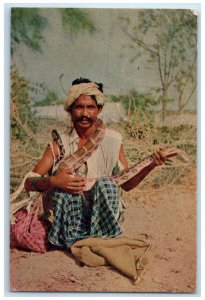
[106,183]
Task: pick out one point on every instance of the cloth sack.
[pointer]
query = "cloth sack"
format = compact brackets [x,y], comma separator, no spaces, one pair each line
[29,231]
[129,256]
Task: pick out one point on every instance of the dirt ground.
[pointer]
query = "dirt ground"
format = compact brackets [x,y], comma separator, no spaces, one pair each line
[165,217]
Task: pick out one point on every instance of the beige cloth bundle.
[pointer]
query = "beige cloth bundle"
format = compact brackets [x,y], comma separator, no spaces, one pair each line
[128,256]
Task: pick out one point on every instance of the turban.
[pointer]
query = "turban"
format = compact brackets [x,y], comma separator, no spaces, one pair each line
[76,90]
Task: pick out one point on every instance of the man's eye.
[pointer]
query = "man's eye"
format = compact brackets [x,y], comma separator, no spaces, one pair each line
[78,107]
[82,107]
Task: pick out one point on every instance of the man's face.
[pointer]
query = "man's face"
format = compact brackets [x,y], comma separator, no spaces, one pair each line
[84,111]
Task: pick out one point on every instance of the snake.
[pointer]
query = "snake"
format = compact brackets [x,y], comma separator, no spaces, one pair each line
[128,179]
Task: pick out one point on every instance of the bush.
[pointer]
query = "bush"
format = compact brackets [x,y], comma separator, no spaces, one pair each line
[23,123]
[51,98]
[137,102]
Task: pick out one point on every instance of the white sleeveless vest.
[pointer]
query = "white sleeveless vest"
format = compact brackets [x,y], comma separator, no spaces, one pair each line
[103,161]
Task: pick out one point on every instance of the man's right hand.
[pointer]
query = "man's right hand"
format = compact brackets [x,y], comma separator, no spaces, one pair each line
[74,184]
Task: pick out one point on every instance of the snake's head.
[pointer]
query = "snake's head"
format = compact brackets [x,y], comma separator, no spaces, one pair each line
[167,153]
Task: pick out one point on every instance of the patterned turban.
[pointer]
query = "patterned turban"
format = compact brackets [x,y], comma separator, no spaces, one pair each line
[90,88]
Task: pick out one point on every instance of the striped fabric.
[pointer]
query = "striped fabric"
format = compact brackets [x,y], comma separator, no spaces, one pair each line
[93,214]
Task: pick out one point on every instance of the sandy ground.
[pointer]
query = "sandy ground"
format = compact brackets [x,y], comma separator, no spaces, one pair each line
[164,217]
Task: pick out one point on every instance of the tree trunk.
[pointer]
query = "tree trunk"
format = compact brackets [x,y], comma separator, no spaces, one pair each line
[180,106]
[163,108]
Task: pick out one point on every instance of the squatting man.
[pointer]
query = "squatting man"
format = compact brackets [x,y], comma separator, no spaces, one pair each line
[78,213]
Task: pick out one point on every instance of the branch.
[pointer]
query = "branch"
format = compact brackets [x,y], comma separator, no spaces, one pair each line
[160,68]
[173,78]
[139,42]
[60,78]
[169,69]
[189,98]
[170,61]
[165,67]
[191,70]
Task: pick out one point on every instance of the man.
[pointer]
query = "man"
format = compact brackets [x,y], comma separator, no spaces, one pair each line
[79,213]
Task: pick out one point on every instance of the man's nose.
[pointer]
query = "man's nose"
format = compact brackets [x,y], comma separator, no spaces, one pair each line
[85,111]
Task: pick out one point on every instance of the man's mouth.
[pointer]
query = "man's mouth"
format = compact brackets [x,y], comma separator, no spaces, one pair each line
[85,120]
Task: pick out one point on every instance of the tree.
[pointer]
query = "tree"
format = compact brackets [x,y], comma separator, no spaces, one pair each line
[169,39]
[75,20]
[135,101]
[22,121]
[27,25]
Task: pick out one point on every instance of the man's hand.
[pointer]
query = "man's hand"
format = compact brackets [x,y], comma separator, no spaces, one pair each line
[158,158]
[73,184]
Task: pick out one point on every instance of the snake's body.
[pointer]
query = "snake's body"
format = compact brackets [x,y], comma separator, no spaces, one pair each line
[127,180]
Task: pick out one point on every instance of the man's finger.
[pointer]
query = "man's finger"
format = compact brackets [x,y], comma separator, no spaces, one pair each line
[75,184]
[157,158]
[77,178]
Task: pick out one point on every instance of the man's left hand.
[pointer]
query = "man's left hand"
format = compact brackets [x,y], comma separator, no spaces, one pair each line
[158,158]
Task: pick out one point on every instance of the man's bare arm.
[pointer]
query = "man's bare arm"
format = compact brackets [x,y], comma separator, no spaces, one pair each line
[122,158]
[63,180]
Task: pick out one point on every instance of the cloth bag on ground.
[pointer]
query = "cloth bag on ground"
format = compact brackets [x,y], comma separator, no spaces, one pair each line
[28,229]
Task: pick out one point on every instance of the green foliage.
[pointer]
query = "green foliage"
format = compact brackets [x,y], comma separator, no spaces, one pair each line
[22,123]
[27,26]
[51,98]
[138,106]
[75,20]
[135,101]
[170,39]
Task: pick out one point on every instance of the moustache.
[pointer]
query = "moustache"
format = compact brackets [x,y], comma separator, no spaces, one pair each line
[82,118]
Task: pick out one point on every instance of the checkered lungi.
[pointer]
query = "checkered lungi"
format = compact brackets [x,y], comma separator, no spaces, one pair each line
[91,214]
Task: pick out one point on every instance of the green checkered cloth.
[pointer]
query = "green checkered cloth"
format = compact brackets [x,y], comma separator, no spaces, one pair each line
[91,214]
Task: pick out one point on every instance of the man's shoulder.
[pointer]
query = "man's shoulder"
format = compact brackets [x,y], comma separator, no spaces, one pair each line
[110,133]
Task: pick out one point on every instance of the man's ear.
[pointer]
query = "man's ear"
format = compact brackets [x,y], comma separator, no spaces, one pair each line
[100,109]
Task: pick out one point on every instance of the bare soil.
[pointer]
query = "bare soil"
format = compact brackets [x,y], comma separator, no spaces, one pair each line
[165,217]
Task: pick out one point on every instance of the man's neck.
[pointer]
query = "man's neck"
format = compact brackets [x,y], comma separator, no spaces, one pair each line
[85,133]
